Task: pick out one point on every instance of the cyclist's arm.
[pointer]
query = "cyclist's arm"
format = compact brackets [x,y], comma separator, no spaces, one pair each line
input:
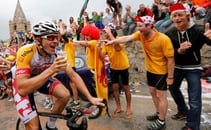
[27,84]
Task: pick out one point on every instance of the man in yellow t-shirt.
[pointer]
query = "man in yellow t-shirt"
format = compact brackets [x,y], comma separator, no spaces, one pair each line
[91,36]
[159,60]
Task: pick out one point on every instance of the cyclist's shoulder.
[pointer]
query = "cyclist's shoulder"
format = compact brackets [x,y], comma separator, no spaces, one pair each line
[27,49]
[25,53]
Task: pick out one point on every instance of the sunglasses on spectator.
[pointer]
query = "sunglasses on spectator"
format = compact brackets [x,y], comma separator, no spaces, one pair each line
[50,37]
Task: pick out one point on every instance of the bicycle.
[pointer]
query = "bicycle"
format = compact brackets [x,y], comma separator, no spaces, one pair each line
[71,116]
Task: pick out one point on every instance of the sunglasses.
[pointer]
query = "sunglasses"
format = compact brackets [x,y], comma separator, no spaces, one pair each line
[50,37]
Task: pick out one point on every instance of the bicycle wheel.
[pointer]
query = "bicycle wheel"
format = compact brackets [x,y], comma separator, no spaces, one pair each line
[19,125]
[91,111]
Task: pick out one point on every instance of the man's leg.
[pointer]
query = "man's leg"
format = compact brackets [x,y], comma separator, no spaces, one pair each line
[152,91]
[33,124]
[75,102]
[115,88]
[162,103]
[115,19]
[62,96]
[120,19]
[128,112]
[178,96]
[125,29]
[131,29]
[195,101]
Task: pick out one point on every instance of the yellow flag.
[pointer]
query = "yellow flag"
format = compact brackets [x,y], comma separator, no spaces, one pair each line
[101,79]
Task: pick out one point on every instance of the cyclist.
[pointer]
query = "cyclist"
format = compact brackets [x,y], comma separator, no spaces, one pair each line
[36,66]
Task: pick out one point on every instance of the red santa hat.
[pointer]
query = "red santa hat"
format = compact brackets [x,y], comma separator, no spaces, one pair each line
[177,8]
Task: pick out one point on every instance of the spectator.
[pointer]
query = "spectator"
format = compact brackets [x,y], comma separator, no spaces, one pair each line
[144,11]
[188,39]
[165,21]
[91,35]
[4,64]
[208,15]
[159,59]
[129,20]
[116,7]
[97,19]
[68,47]
[73,28]
[82,22]
[207,6]
[119,65]
[108,17]
[200,11]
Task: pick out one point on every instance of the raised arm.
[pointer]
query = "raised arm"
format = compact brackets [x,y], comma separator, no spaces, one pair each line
[123,39]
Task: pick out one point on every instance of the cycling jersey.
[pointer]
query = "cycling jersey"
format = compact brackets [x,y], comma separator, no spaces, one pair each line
[30,62]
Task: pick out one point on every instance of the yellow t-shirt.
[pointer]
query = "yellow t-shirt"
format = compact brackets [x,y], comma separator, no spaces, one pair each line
[156,51]
[118,59]
[70,49]
[90,54]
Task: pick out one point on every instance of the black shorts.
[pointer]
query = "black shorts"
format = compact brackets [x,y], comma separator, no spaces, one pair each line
[116,75]
[157,80]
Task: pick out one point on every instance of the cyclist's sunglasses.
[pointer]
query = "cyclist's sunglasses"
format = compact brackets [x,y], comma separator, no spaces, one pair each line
[51,37]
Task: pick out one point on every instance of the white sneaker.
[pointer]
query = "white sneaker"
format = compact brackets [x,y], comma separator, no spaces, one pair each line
[49,106]
[10,99]
[46,102]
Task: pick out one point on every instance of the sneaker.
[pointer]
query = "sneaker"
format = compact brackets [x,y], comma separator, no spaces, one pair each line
[75,104]
[49,106]
[178,116]
[46,102]
[157,125]
[186,128]
[48,128]
[10,99]
[152,117]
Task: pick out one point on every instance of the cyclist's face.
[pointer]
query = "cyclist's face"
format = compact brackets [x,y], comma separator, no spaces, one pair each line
[49,43]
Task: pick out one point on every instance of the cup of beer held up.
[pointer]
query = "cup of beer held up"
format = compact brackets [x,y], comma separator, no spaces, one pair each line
[61,53]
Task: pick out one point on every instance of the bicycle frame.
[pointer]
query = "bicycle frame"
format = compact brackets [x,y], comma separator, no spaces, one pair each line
[71,116]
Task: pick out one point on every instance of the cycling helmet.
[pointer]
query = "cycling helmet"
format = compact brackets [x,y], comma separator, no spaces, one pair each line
[45,28]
